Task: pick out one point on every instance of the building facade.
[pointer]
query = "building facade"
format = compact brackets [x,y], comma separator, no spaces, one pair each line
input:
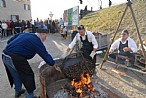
[15,10]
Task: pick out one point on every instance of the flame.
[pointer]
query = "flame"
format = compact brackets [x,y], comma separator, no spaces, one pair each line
[84,83]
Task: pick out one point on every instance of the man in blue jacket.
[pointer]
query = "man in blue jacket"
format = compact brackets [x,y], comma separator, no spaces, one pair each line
[19,49]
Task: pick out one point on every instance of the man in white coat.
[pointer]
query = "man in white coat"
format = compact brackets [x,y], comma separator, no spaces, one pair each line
[125,46]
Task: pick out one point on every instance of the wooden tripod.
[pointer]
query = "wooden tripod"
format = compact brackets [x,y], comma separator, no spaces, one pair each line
[107,52]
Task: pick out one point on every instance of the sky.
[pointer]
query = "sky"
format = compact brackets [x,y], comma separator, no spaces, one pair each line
[42,8]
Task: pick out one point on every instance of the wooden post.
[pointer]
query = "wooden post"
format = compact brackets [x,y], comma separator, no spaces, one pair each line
[143,50]
[107,52]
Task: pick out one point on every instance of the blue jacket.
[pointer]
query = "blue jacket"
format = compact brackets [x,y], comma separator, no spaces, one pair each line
[27,45]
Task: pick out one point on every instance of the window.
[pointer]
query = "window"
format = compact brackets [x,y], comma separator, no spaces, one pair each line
[2,3]
[15,17]
[26,7]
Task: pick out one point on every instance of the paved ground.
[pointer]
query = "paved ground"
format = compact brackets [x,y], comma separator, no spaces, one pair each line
[125,83]
[122,81]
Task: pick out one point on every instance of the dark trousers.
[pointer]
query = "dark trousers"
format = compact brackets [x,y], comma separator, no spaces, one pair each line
[24,70]
[120,60]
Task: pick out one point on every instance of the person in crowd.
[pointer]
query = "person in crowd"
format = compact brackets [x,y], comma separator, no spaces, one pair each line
[61,22]
[43,25]
[4,29]
[49,24]
[32,22]
[64,32]
[110,3]
[8,23]
[18,26]
[12,26]
[23,25]
[0,27]
[37,22]
[87,44]
[28,24]
[57,25]
[53,28]
[8,28]
[0,24]
[125,46]
[19,49]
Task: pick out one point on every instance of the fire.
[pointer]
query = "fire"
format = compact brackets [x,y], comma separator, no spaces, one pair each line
[83,85]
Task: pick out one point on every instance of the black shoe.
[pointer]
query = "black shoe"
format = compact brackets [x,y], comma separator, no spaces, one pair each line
[17,95]
[36,96]
[97,64]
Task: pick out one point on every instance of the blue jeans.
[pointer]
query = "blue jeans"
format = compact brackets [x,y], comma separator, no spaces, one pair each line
[4,33]
[9,64]
[16,78]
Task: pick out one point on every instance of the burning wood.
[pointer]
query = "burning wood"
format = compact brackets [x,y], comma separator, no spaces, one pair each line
[81,88]
[71,93]
[84,84]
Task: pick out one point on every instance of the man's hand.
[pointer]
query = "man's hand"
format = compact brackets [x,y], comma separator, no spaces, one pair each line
[57,68]
[93,53]
[126,49]
[111,51]
[65,54]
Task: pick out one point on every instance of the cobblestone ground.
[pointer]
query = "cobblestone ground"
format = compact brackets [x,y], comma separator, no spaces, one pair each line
[125,83]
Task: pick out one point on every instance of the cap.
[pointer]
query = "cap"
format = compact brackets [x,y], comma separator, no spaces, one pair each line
[81,27]
[125,31]
[40,30]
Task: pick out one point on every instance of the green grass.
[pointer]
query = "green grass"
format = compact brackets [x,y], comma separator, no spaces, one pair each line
[107,19]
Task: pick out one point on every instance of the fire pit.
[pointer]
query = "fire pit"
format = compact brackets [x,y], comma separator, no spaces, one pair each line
[55,84]
[83,88]
[65,93]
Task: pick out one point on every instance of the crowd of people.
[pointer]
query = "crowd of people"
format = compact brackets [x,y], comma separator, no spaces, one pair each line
[11,27]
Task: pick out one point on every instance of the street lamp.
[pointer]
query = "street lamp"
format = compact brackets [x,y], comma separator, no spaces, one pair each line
[51,15]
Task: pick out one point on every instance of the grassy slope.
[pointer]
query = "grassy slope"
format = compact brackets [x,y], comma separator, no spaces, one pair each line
[107,19]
